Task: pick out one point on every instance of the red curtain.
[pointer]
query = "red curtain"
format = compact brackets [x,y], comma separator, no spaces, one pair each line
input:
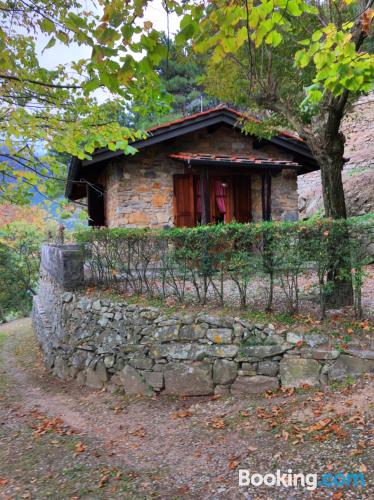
[220,191]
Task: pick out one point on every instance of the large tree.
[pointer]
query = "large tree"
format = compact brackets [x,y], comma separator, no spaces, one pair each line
[300,60]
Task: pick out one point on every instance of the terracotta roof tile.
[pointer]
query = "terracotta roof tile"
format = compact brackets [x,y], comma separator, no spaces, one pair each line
[233,159]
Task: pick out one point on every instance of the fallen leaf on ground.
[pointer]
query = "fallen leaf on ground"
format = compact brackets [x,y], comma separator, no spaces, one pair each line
[217,424]
[321,424]
[103,480]
[182,414]
[183,489]
[285,435]
[138,432]
[80,447]
[363,468]
[233,464]
[337,495]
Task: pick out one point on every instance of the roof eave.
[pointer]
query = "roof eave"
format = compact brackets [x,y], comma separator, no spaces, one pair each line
[246,164]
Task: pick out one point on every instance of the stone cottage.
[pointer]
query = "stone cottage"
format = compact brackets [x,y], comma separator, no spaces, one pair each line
[196,170]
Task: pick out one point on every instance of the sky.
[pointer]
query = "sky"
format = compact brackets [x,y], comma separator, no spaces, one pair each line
[62,54]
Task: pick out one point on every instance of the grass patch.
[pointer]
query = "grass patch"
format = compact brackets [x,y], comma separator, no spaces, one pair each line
[343,384]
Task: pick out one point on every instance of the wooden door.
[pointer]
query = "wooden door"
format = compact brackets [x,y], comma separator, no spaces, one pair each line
[184,201]
[242,199]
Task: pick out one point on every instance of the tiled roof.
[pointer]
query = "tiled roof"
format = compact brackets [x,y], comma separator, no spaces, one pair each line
[252,160]
[219,108]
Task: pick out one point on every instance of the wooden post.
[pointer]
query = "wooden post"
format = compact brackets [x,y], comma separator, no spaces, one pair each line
[205,196]
[266,196]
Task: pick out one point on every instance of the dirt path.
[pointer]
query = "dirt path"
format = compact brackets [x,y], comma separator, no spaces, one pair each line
[59,440]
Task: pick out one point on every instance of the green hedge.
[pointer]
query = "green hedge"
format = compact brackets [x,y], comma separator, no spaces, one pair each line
[202,262]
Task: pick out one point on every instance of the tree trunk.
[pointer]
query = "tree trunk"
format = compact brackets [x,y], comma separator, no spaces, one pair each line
[329,151]
[329,154]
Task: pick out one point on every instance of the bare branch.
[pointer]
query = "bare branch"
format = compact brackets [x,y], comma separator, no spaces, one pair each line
[36,82]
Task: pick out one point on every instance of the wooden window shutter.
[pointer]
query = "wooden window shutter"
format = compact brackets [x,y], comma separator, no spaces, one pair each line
[96,205]
[184,200]
[242,199]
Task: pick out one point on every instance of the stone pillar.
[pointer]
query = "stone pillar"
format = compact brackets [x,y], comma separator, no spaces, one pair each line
[64,264]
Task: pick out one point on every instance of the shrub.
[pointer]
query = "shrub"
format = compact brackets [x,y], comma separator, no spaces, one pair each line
[203,262]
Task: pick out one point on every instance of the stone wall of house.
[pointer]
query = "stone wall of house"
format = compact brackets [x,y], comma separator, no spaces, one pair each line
[284,201]
[140,188]
[100,341]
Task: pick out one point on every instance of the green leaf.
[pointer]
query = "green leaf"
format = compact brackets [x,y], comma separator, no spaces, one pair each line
[131,150]
[315,96]
[254,18]
[110,81]
[302,58]
[62,36]
[89,148]
[91,85]
[229,45]
[293,8]
[47,25]
[273,38]
[50,44]
[76,21]
[317,35]
[320,59]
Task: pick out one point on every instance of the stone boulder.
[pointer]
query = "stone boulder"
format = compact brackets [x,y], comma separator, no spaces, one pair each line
[346,366]
[176,351]
[268,368]
[253,385]
[193,332]
[134,383]
[61,369]
[96,377]
[188,379]
[361,353]
[295,372]
[224,371]
[264,351]
[319,353]
[220,335]
[167,333]
[154,379]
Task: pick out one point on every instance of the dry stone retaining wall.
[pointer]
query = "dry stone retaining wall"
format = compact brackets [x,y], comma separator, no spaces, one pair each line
[141,350]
